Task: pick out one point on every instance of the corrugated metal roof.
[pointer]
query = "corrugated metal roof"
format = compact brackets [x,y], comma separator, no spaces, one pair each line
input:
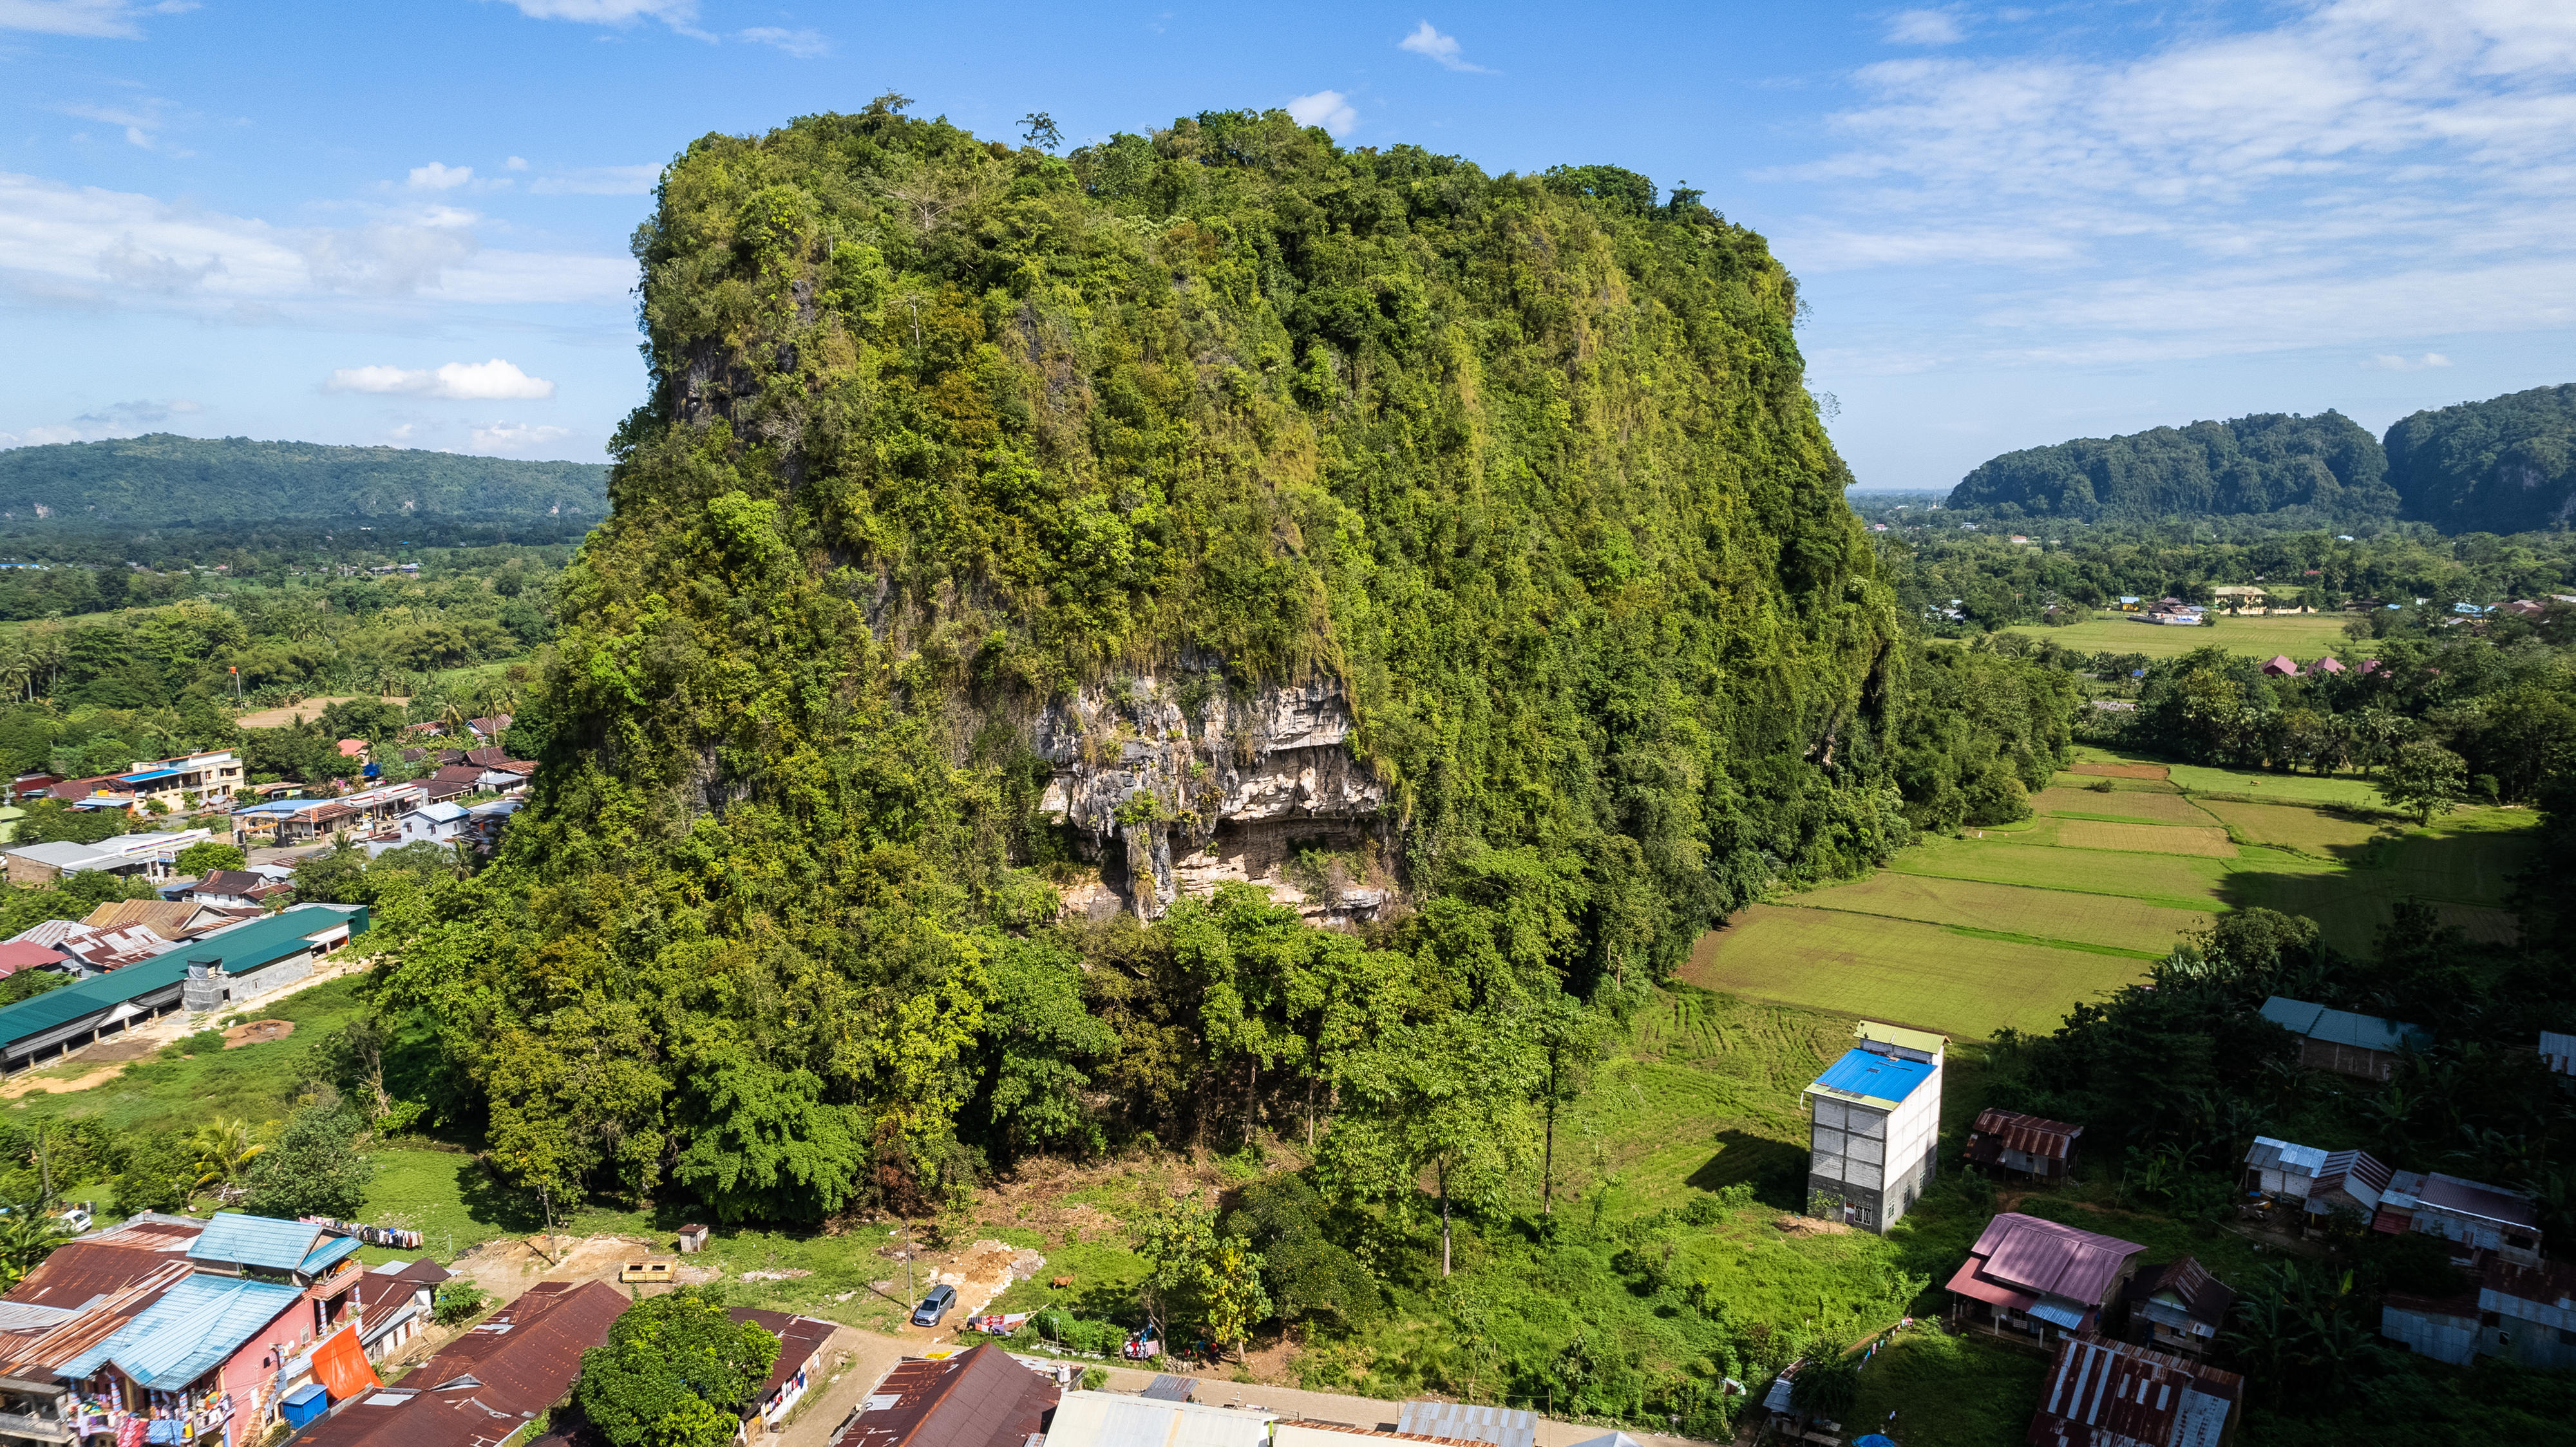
[2050,1259]
[1099,1419]
[2102,1392]
[1929,1042]
[1863,1075]
[2030,1134]
[978,1398]
[242,947]
[1502,1426]
[2268,1154]
[192,1328]
[2476,1198]
[2559,1050]
[264,1241]
[2342,1027]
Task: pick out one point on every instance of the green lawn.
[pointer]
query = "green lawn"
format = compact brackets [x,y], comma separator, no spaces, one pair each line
[250,1083]
[2301,636]
[2051,914]
[1947,1391]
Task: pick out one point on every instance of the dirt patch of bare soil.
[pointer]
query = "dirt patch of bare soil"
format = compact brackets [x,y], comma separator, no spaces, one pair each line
[1809,1226]
[311,708]
[257,1032]
[2119,771]
[60,1084]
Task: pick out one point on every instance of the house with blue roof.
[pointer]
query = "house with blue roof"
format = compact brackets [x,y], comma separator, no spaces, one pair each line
[266,1248]
[196,1365]
[1874,1126]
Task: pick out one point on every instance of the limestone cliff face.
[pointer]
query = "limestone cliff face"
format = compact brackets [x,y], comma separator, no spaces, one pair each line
[1180,785]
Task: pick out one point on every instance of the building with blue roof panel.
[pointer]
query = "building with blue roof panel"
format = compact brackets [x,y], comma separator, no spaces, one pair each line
[1874,1126]
[238,1244]
[199,1364]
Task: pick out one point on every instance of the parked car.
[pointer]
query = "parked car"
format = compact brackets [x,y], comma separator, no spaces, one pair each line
[934,1306]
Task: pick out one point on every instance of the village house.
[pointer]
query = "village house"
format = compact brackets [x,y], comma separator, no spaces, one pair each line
[1874,1127]
[399,1299]
[2177,1308]
[88,950]
[978,1398]
[130,856]
[185,782]
[2280,665]
[2470,1214]
[2172,611]
[437,822]
[2365,1047]
[2037,1147]
[200,1357]
[2238,597]
[2110,1394]
[485,822]
[2522,1313]
[483,1388]
[2032,1277]
[303,821]
[2558,1052]
[799,1366]
[235,889]
[1109,1419]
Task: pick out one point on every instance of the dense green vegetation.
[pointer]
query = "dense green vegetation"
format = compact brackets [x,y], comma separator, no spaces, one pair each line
[2507,464]
[942,429]
[162,480]
[2318,468]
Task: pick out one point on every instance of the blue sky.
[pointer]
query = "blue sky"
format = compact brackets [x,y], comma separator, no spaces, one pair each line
[406,222]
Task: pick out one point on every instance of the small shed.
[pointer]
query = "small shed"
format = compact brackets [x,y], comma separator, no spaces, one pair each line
[2282,1169]
[2033,1145]
[693,1238]
[2177,1308]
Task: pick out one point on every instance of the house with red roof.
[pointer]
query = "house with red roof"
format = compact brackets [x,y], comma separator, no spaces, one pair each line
[2038,1279]
[2279,665]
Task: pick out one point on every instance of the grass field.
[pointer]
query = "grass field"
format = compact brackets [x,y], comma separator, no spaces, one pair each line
[2302,636]
[2050,914]
[1931,977]
[2009,925]
[2205,840]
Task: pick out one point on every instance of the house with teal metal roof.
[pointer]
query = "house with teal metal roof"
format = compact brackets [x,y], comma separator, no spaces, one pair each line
[229,965]
[236,1243]
[196,1364]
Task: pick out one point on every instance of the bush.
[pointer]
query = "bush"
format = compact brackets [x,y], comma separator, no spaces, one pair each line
[1094,1378]
[204,1042]
[458,1301]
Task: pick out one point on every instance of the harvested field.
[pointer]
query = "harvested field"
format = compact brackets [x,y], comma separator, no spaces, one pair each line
[2209,842]
[1900,971]
[2175,881]
[2156,808]
[2048,914]
[2294,826]
[2118,771]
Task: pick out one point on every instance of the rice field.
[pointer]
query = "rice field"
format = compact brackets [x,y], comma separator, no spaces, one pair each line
[2054,915]
[2138,804]
[2207,841]
[2303,636]
[1928,976]
[2013,925]
[2294,826]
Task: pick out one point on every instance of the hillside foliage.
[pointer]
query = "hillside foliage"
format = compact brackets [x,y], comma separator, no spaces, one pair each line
[942,429]
[166,480]
[2327,466]
[2504,465]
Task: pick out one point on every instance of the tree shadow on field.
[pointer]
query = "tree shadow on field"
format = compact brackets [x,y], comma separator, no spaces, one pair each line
[1776,1169]
[488,1202]
[2466,875]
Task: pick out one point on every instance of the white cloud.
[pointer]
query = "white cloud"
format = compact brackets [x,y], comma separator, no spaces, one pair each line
[2391,362]
[1431,44]
[90,247]
[516,163]
[2364,176]
[610,12]
[437,176]
[1925,27]
[802,44]
[1327,108]
[117,419]
[94,19]
[492,381]
[600,181]
[514,437]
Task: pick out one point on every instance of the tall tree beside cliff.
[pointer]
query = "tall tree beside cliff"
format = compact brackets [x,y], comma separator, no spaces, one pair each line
[2505,465]
[941,430]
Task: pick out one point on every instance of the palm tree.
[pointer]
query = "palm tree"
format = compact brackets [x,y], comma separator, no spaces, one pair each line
[28,1234]
[455,719]
[224,1152]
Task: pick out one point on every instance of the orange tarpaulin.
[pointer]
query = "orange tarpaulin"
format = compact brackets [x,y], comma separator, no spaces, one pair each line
[340,1364]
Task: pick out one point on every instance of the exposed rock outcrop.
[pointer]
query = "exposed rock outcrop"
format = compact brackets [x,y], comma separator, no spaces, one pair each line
[1182,784]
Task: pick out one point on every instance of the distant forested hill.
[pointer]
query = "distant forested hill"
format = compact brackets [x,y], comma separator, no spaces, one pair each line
[2505,465]
[2259,464]
[163,480]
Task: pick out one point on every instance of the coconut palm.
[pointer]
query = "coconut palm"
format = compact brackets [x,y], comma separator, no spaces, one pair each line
[224,1151]
[28,1234]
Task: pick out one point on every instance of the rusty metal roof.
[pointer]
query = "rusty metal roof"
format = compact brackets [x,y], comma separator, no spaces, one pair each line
[799,1338]
[80,1272]
[486,1384]
[2203,1297]
[979,1398]
[2104,1394]
[42,1353]
[2029,1134]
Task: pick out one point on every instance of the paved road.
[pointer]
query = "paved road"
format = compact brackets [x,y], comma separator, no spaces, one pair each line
[873,1354]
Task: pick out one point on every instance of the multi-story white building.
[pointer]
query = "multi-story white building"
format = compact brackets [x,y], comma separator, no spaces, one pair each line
[1874,1128]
